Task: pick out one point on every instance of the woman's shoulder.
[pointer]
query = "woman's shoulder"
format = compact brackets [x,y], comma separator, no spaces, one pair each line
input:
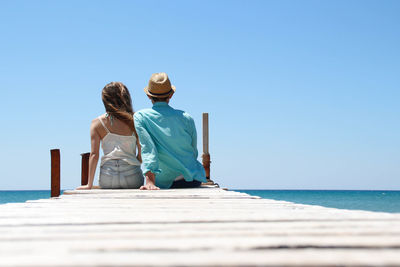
[97,122]
[97,119]
[98,126]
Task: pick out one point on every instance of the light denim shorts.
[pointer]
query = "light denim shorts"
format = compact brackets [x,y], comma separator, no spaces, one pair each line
[117,173]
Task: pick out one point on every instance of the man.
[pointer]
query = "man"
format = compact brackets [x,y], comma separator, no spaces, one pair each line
[168,140]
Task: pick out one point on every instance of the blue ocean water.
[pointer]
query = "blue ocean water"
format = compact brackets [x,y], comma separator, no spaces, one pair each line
[22,196]
[384,201]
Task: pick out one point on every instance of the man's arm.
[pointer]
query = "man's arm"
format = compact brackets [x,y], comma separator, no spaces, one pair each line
[149,155]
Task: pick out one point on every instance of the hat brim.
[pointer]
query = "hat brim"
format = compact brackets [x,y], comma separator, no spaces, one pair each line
[172,91]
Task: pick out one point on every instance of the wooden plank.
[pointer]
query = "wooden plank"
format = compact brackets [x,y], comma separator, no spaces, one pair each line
[191,227]
[81,256]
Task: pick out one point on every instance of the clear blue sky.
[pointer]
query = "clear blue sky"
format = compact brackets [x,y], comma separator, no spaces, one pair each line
[301,94]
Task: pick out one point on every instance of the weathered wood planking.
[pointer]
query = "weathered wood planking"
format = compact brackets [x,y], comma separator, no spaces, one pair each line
[191,227]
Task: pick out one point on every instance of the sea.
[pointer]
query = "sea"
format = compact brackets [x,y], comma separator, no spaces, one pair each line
[381,201]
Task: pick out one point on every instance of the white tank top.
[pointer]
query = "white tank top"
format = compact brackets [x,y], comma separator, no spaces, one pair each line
[117,146]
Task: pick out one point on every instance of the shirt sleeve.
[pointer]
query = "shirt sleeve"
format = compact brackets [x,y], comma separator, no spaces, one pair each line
[150,160]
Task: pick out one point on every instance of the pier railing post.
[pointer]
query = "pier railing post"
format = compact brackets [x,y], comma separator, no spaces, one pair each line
[85,168]
[206,155]
[55,172]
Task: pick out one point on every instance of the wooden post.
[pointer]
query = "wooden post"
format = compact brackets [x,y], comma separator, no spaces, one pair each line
[206,154]
[55,172]
[205,133]
[85,168]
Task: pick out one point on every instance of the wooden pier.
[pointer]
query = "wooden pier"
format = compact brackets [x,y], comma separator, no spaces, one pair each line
[191,227]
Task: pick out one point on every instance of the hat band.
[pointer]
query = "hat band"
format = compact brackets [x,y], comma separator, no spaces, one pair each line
[162,93]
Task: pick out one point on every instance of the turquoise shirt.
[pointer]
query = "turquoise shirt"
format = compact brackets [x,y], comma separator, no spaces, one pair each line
[169,144]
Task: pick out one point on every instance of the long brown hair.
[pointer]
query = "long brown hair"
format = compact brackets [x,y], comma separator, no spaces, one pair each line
[118,103]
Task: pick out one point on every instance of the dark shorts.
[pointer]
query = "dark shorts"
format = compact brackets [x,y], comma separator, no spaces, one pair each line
[183,184]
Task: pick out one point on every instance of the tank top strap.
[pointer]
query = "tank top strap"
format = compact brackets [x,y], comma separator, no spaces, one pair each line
[102,123]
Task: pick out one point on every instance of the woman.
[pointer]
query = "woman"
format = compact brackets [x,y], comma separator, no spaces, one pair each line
[119,167]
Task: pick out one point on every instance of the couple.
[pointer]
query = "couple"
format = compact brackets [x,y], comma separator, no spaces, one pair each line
[162,138]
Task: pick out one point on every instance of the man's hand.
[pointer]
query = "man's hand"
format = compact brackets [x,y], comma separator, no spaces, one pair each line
[150,182]
[149,187]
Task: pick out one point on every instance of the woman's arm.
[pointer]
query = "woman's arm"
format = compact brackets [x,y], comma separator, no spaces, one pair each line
[139,151]
[94,154]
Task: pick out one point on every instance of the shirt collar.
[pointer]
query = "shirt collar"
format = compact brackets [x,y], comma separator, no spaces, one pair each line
[160,104]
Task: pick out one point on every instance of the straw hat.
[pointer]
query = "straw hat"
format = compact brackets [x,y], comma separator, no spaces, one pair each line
[159,86]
